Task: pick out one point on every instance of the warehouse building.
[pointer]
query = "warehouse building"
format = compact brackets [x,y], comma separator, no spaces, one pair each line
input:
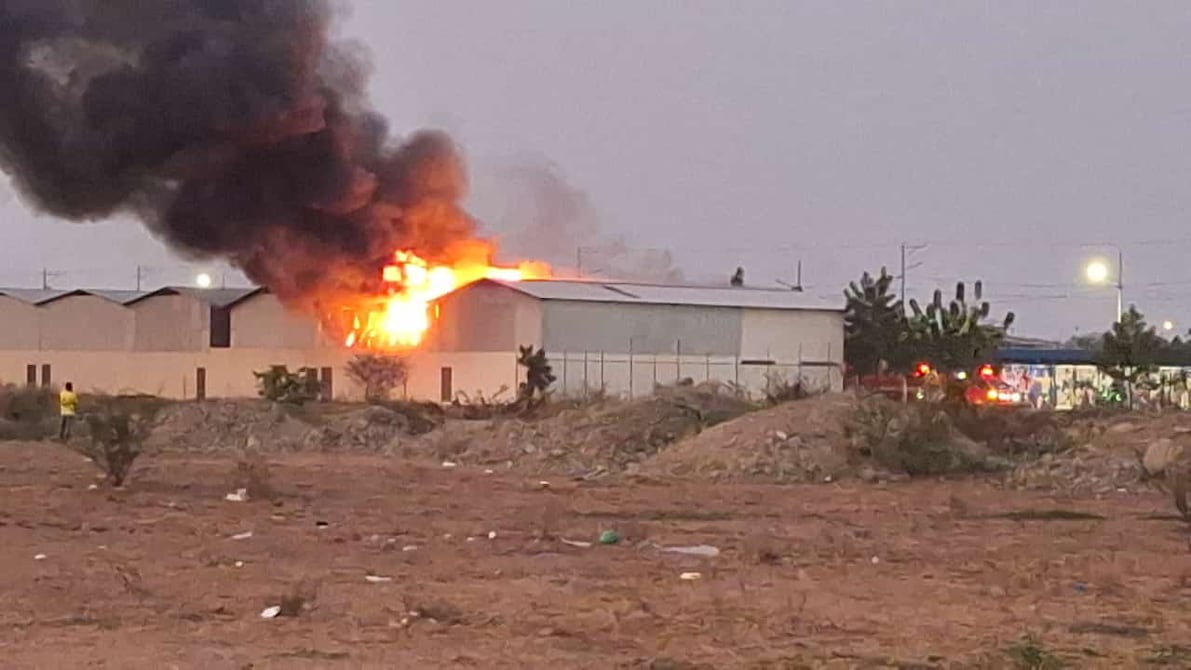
[623,338]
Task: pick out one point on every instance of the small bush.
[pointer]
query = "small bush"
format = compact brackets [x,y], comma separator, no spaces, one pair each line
[253,475]
[26,412]
[378,374]
[917,439]
[115,443]
[294,388]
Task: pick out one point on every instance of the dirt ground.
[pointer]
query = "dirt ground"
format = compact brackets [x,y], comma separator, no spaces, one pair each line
[913,575]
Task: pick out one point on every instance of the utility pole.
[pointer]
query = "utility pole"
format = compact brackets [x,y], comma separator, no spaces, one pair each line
[907,250]
[1120,284]
[46,275]
[140,273]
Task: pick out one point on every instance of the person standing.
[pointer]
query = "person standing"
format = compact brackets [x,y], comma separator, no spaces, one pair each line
[68,407]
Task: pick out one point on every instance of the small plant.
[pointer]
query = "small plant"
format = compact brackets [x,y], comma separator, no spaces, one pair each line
[378,374]
[252,475]
[539,376]
[1029,654]
[779,389]
[115,443]
[295,388]
[25,411]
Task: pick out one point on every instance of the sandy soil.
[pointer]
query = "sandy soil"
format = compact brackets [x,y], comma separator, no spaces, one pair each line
[923,574]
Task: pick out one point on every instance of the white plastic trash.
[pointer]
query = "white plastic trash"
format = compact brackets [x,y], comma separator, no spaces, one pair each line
[690,576]
[271,612]
[694,550]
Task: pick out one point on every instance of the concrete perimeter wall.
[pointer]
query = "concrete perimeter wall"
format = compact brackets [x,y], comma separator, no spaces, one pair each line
[229,371]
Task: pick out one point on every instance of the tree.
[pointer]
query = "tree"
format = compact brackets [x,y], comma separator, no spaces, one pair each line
[874,325]
[538,376]
[378,374]
[955,338]
[1130,351]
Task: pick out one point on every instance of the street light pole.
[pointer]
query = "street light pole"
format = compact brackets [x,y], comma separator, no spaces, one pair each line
[1120,284]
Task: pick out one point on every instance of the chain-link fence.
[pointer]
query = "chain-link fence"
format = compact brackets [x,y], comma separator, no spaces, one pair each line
[633,375]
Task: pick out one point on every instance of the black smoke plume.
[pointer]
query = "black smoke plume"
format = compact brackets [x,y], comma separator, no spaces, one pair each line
[233,128]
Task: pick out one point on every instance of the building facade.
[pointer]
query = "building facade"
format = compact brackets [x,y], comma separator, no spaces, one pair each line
[620,338]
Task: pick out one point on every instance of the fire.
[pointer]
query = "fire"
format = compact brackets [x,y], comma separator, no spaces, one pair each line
[400,318]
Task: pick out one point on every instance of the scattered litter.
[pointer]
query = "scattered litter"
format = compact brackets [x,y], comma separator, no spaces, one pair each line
[93,487]
[321,524]
[239,564]
[489,472]
[690,576]
[609,537]
[781,435]
[409,547]
[39,557]
[447,536]
[543,484]
[694,550]
[449,464]
[576,543]
[239,496]
[376,579]
[374,538]
[491,535]
[271,612]
[875,560]
[471,539]
[242,536]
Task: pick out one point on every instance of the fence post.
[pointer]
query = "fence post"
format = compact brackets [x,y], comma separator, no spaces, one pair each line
[585,385]
[564,372]
[603,384]
[677,361]
[631,368]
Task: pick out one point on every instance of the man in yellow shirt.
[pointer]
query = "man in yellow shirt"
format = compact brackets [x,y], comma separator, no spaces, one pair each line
[68,406]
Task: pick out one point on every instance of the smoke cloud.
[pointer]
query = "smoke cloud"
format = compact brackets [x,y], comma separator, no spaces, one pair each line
[233,128]
[545,217]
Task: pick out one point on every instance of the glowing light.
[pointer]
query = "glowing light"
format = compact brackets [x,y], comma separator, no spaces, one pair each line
[1168,325]
[203,280]
[1097,272]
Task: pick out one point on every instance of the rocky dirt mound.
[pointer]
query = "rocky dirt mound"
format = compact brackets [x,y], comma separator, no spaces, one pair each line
[1106,453]
[608,436]
[222,426]
[794,442]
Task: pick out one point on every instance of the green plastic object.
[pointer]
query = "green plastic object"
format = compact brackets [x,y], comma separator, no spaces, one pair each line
[609,537]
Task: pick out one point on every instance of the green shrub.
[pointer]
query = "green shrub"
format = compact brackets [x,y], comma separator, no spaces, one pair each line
[295,388]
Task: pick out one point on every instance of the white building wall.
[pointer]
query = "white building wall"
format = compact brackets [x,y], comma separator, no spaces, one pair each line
[811,341]
[85,323]
[262,322]
[19,328]
[620,328]
[171,323]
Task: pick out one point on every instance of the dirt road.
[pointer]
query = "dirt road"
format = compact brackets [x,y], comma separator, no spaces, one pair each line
[943,574]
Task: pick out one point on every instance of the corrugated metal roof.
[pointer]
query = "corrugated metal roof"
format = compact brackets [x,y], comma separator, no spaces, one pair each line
[661,294]
[33,296]
[219,297]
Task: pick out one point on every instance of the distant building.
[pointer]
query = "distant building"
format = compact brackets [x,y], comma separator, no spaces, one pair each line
[620,337]
[623,338]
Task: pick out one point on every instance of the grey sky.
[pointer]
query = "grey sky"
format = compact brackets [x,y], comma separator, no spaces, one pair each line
[758,133]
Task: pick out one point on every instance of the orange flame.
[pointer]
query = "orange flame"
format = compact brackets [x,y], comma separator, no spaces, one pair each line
[400,319]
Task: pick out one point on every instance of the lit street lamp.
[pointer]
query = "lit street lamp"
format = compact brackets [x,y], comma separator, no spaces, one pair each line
[1099,272]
